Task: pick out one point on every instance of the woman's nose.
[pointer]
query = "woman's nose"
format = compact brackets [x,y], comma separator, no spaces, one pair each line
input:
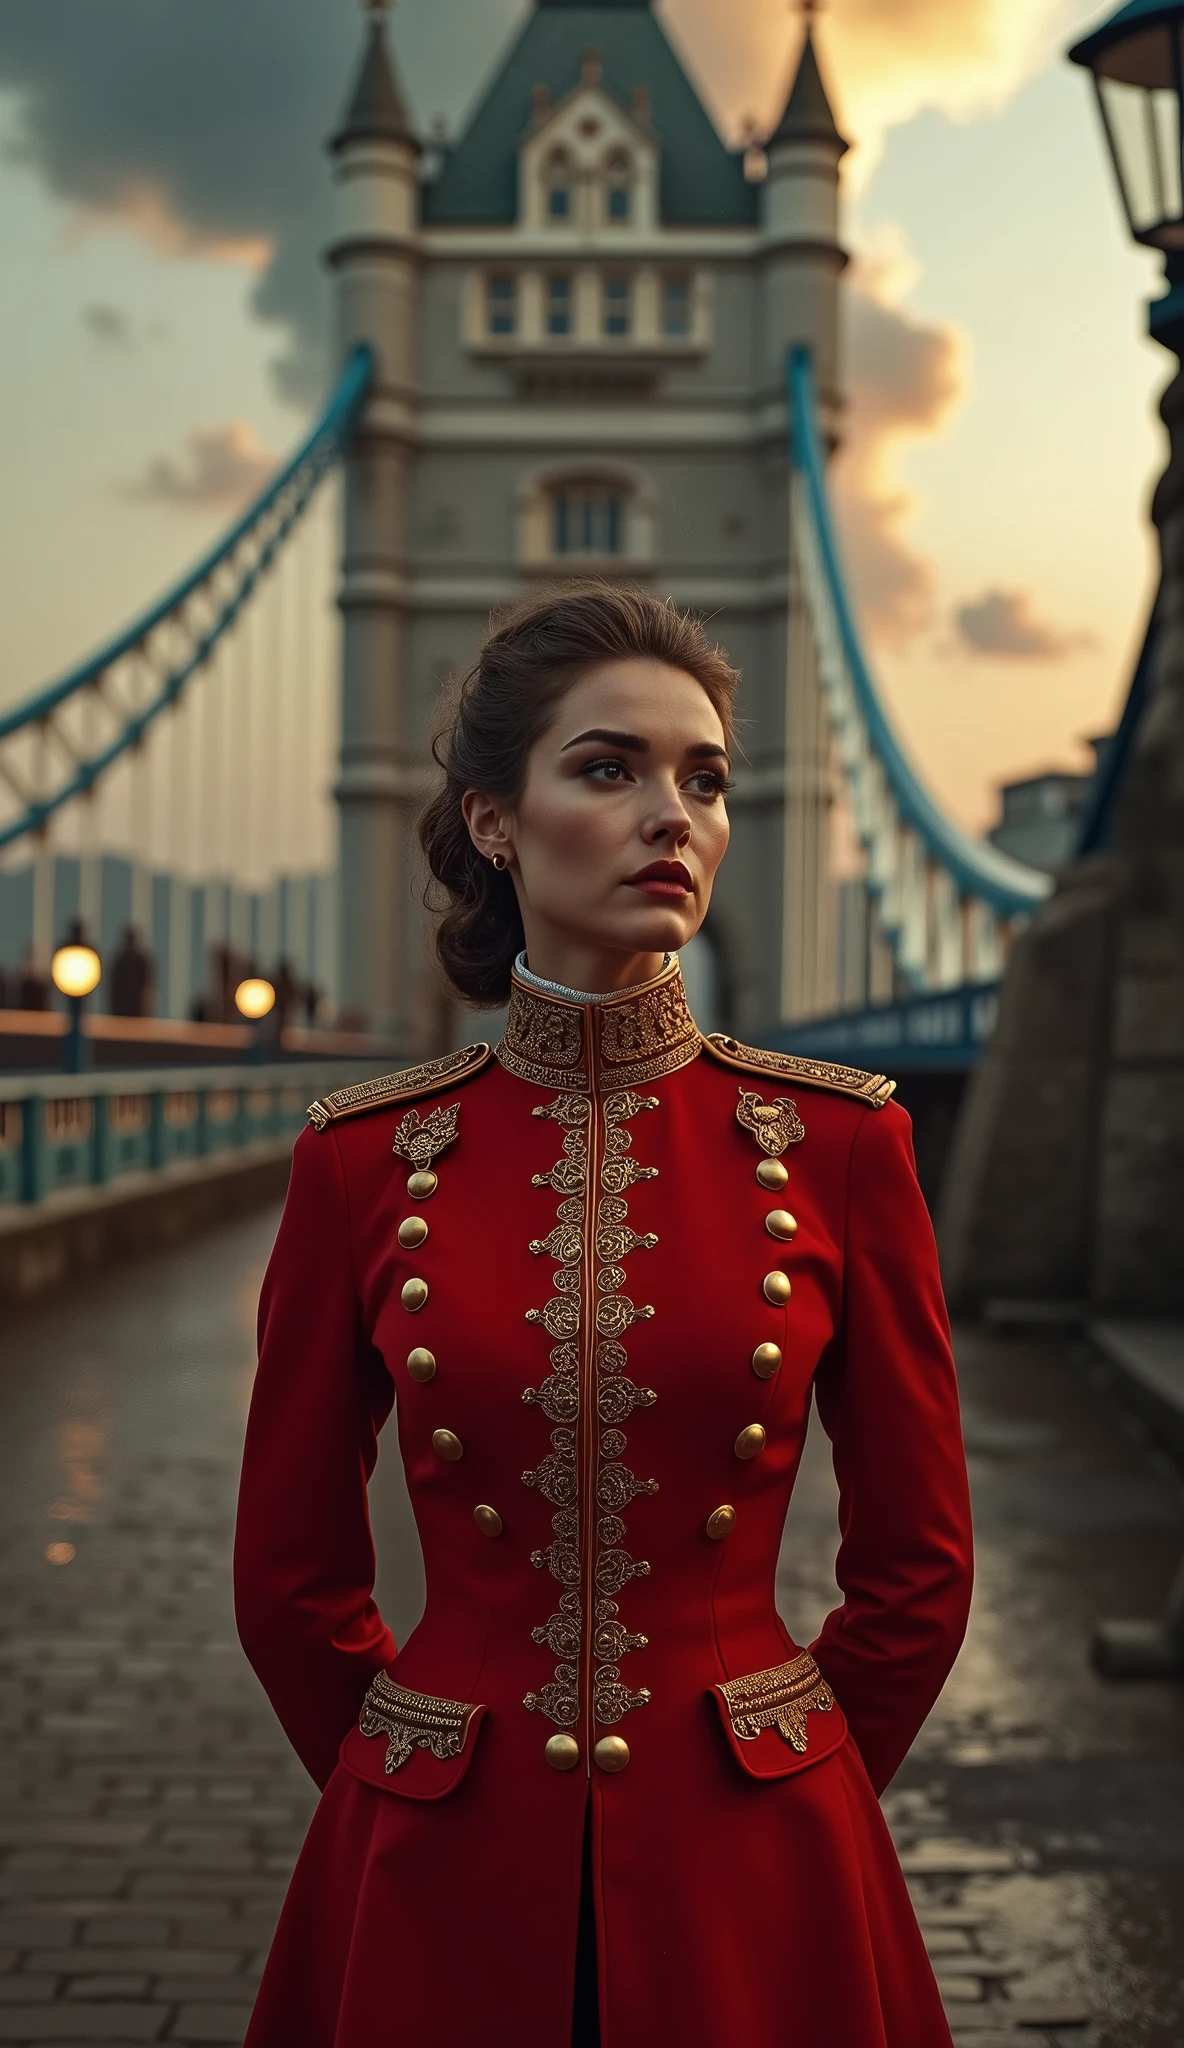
[671,822]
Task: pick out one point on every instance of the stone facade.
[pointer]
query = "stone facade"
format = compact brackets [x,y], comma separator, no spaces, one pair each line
[581,312]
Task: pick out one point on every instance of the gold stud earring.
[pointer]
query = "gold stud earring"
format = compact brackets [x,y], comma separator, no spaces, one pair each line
[498,861]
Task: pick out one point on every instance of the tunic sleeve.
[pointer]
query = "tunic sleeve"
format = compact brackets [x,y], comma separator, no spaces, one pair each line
[888,1399]
[304,1558]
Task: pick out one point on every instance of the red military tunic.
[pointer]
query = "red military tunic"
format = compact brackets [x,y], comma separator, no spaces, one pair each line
[600,1308]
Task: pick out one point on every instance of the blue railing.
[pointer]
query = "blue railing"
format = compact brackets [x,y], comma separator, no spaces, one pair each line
[284,501]
[948,1029]
[978,870]
[74,1132]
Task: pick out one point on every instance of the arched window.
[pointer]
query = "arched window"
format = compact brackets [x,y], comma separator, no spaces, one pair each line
[588,518]
[618,188]
[557,179]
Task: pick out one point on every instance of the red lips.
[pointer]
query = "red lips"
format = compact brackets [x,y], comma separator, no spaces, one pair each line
[666,878]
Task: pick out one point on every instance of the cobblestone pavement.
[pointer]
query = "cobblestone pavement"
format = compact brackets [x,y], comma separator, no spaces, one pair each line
[149,1810]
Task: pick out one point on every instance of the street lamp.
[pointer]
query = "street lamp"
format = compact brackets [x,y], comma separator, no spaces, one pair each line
[1137,62]
[254,999]
[77,971]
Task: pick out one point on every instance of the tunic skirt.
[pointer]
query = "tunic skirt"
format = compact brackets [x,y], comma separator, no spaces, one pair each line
[599,1276]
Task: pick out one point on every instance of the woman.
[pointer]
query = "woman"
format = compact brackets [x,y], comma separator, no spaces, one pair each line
[600,1271]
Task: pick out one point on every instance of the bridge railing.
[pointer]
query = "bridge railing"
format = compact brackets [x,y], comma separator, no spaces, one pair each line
[946,903]
[72,1132]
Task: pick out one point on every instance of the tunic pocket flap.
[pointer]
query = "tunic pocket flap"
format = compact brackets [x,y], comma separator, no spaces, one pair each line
[780,1720]
[411,1743]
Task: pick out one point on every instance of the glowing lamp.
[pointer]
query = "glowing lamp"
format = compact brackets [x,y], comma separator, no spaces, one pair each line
[254,998]
[76,970]
[1136,60]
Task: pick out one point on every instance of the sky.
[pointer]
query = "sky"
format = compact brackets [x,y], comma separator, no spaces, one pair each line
[163,326]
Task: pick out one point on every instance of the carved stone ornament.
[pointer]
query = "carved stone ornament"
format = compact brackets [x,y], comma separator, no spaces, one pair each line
[775,1125]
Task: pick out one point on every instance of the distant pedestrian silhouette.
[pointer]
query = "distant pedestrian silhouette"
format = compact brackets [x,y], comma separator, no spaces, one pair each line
[32,985]
[131,977]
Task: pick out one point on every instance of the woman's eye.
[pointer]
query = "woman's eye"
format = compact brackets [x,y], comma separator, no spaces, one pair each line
[709,782]
[609,770]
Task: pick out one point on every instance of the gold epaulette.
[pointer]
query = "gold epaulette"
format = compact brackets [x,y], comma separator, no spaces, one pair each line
[874,1089]
[446,1072]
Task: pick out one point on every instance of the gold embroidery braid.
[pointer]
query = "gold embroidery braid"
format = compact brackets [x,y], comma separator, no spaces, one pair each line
[616,1485]
[556,1478]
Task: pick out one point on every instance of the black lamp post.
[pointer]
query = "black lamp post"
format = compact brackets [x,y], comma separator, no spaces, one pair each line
[1137,62]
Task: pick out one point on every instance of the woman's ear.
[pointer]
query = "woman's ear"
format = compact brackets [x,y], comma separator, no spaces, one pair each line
[488,827]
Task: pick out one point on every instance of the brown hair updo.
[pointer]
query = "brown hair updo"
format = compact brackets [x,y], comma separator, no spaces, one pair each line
[499,709]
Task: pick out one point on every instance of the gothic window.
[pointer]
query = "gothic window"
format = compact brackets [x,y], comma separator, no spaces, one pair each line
[676,307]
[617,315]
[558,183]
[559,303]
[618,188]
[588,519]
[501,303]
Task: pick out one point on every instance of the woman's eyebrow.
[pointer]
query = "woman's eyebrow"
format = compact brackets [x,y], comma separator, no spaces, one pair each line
[632,743]
[629,742]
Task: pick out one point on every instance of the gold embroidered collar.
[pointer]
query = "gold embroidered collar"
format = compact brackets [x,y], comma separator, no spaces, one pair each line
[619,1043]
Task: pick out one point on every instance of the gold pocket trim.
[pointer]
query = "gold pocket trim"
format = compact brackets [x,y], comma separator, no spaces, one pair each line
[780,1698]
[414,1720]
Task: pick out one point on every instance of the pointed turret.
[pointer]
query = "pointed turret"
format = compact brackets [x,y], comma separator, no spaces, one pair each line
[374,256]
[808,116]
[377,111]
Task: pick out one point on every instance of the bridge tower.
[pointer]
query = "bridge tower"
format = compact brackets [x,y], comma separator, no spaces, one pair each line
[803,261]
[375,259]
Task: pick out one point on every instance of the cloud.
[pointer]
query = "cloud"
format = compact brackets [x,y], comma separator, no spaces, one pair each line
[906,376]
[200,128]
[224,467]
[109,326]
[1003,623]
[883,60]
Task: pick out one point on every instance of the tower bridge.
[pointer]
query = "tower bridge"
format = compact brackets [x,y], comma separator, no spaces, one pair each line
[584,337]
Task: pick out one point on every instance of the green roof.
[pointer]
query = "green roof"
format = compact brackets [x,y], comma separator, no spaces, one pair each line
[702,181]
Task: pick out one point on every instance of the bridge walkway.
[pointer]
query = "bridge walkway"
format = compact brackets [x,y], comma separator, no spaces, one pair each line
[150,1812]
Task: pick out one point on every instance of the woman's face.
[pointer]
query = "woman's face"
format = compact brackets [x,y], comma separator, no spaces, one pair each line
[614,842]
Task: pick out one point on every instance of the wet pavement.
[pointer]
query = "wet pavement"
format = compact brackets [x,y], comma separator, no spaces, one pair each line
[150,1812]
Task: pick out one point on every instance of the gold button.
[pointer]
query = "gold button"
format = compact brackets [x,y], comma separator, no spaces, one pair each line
[562,1752]
[421,1365]
[750,1441]
[412,1231]
[775,1287]
[766,1360]
[721,1523]
[778,1223]
[421,1185]
[446,1445]
[488,1521]
[772,1175]
[415,1293]
[611,1753]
